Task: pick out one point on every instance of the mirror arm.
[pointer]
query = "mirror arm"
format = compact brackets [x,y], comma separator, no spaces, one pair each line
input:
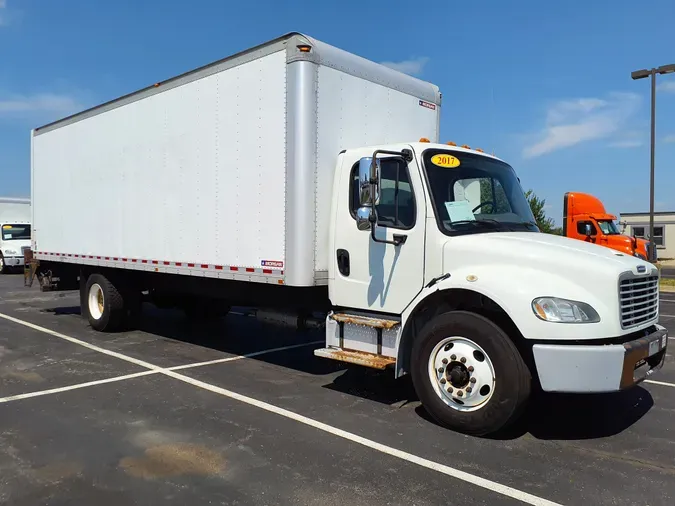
[398,238]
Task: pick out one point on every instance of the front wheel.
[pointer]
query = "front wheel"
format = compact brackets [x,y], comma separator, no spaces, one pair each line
[468,374]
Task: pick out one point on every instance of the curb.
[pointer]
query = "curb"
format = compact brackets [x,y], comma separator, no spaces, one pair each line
[667,289]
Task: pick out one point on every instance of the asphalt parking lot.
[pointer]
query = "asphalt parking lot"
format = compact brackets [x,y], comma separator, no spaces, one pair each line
[241,412]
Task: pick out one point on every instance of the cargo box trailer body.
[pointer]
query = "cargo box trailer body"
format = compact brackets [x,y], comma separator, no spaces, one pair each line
[297,176]
[15,227]
[226,171]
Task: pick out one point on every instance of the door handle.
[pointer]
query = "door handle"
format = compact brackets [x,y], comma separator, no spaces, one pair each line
[343,261]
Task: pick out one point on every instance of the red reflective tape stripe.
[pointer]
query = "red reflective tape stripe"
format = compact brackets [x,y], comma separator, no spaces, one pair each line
[144,261]
[179,264]
[234,268]
[248,269]
[267,271]
[167,263]
[124,260]
[133,260]
[205,266]
[191,265]
[155,262]
[219,267]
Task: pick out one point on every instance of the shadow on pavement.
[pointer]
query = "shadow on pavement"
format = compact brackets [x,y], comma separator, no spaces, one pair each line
[575,417]
[548,417]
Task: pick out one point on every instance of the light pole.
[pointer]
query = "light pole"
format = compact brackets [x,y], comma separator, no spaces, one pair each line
[641,74]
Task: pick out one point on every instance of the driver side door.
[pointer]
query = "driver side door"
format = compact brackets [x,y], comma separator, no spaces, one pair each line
[372,275]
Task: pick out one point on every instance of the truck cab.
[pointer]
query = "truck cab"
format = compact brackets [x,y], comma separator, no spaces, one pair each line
[585,219]
[441,272]
[15,232]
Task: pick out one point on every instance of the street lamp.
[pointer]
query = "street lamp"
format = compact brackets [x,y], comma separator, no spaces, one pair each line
[641,74]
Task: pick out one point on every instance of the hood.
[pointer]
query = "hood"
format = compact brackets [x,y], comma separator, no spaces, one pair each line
[512,268]
[539,249]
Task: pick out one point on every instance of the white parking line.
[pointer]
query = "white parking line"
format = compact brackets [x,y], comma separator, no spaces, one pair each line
[239,357]
[75,387]
[662,383]
[408,457]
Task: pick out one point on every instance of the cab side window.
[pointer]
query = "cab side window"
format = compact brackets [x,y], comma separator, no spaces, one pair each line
[581,227]
[397,201]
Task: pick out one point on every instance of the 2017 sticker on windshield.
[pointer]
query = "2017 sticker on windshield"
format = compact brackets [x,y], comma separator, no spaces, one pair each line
[445,161]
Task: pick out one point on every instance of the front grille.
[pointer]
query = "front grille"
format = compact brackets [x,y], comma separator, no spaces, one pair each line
[638,300]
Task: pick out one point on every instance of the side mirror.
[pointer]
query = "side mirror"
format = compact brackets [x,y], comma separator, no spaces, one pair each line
[369,191]
[589,230]
[363,215]
[369,195]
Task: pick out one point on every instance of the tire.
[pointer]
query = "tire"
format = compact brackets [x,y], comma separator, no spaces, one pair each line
[3,267]
[103,304]
[502,380]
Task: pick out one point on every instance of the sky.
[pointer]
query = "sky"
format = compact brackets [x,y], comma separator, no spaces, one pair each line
[544,85]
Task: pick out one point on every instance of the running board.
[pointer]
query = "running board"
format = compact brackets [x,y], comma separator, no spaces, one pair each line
[356,357]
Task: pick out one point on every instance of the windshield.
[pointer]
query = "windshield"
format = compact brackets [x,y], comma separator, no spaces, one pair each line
[473,193]
[608,227]
[12,232]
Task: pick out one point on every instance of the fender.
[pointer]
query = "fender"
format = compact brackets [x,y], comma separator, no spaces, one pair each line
[521,284]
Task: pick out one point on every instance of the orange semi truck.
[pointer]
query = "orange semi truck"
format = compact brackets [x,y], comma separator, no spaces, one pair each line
[585,218]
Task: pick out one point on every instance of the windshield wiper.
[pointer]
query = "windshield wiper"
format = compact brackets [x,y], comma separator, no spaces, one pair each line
[494,224]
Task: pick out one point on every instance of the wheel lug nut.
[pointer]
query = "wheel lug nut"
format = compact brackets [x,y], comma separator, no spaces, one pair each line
[468,390]
[472,380]
[460,393]
[449,390]
[443,381]
[462,360]
[470,368]
[440,369]
[453,357]
[445,360]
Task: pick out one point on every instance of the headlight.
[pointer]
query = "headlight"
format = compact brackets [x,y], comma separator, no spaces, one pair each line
[9,252]
[552,309]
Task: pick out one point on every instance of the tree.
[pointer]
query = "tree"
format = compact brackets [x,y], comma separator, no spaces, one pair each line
[545,224]
[491,190]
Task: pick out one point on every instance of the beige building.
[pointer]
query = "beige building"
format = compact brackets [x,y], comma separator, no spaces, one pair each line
[664,230]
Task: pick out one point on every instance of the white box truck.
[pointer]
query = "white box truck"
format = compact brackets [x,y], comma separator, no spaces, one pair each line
[290,177]
[15,216]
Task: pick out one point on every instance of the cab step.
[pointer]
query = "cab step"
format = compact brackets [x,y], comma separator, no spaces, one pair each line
[356,357]
[366,321]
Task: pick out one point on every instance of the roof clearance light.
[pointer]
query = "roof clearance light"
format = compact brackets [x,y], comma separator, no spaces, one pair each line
[304,48]
[479,150]
[466,146]
[451,143]
[424,139]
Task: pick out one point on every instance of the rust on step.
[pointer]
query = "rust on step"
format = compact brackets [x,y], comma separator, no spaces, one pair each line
[356,357]
[376,323]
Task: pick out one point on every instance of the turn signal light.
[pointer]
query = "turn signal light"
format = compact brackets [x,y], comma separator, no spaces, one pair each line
[304,48]
[424,139]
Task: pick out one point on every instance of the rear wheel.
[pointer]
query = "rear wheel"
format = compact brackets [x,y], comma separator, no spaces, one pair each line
[103,304]
[468,373]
